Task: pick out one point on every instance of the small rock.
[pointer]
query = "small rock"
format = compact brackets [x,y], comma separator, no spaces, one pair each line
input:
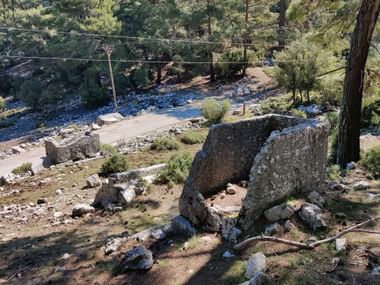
[260,278]
[182,226]
[58,215]
[272,229]
[113,245]
[59,192]
[316,198]
[376,271]
[228,254]
[361,185]
[312,215]
[82,209]
[137,258]
[95,127]
[256,263]
[289,226]
[279,212]
[340,244]
[231,190]
[18,150]
[66,256]
[94,181]
[351,165]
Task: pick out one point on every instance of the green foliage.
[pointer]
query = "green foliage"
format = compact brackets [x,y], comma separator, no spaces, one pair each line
[140,77]
[331,89]
[370,111]
[226,69]
[22,169]
[333,142]
[213,110]
[371,161]
[161,144]
[278,105]
[52,94]
[107,149]
[192,137]
[2,104]
[333,118]
[31,92]
[92,93]
[333,173]
[117,163]
[298,113]
[176,170]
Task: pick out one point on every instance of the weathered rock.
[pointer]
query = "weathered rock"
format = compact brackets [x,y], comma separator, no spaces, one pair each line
[8,178]
[316,198]
[376,271]
[94,181]
[279,212]
[181,226]
[259,148]
[18,150]
[361,185]
[228,254]
[351,165]
[95,127]
[231,190]
[312,215]
[289,226]
[113,244]
[137,258]
[82,209]
[41,201]
[109,119]
[260,278]
[340,244]
[339,187]
[273,229]
[255,264]
[76,148]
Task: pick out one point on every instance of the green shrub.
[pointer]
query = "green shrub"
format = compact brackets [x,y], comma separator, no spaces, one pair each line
[31,92]
[117,163]
[191,137]
[227,70]
[333,142]
[52,94]
[176,170]
[22,169]
[371,161]
[333,118]
[107,149]
[2,104]
[164,144]
[333,172]
[91,92]
[331,90]
[370,112]
[214,111]
[298,113]
[275,105]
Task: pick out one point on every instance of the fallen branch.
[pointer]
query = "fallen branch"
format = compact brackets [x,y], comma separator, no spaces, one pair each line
[303,245]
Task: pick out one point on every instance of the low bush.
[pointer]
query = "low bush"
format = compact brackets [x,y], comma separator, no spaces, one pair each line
[176,170]
[371,161]
[22,169]
[279,105]
[30,92]
[117,163]
[107,149]
[298,113]
[333,118]
[191,137]
[333,172]
[370,112]
[161,144]
[2,104]
[214,111]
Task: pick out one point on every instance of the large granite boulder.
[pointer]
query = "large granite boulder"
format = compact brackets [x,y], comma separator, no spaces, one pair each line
[76,148]
[281,156]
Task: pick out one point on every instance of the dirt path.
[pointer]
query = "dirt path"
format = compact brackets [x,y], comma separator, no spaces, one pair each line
[124,130]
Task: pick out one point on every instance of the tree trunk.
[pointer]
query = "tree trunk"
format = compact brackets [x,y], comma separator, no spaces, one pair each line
[245,52]
[349,125]
[281,25]
[159,74]
[211,56]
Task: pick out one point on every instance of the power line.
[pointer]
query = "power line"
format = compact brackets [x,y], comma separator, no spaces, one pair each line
[139,61]
[74,33]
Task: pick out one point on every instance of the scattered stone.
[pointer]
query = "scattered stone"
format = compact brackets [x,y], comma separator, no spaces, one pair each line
[289,226]
[137,258]
[340,244]
[361,185]
[234,235]
[181,226]
[94,181]
[59,192]
[66,256]
[228,254]
[272,229]
[82,209]
[316,198]
[8,178]
[256,263]
[95,127]
[113,244]
[109,119]
[18,150]
[339,187]
[279,212]
[58,215]
[312,215]
[376,271]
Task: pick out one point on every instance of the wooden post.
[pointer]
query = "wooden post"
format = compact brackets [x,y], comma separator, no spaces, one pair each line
[108,50]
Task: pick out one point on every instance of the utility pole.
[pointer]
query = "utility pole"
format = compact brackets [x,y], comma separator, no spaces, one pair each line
[108,49]
[245,52]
